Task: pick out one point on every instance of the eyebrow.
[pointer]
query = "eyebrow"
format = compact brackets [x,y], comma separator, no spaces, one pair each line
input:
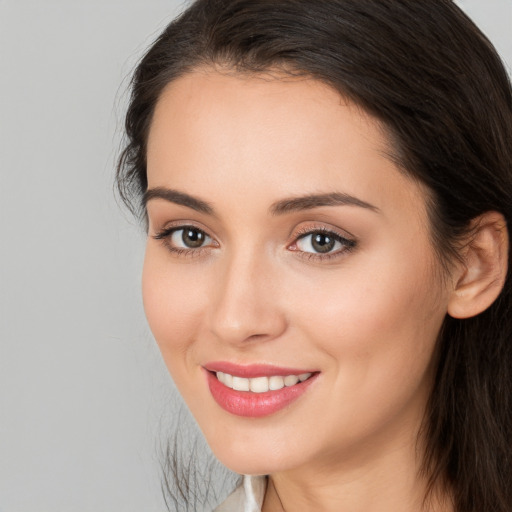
[174,196]
[281,207]
[311,201]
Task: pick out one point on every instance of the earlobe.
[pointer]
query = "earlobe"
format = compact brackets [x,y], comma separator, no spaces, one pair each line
[485,267]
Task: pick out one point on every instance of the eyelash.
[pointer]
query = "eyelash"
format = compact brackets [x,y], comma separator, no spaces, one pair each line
[165,236]
[347,244]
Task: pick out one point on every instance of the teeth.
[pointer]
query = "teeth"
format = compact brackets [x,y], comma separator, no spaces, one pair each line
[291,380]
[261,384]
[275,383]
[228,380]
[241,384]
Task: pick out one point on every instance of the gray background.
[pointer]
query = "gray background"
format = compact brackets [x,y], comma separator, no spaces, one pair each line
[85,401]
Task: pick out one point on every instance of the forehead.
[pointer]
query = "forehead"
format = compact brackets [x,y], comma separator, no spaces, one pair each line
[279,135]
[275,99]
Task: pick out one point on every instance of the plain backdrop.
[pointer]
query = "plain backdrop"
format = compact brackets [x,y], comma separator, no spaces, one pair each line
[85,401]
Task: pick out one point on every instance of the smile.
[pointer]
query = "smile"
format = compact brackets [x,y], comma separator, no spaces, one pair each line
[256,391]
[260,384]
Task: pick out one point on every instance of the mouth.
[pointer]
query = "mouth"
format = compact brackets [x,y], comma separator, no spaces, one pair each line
[256,391]
[261,384]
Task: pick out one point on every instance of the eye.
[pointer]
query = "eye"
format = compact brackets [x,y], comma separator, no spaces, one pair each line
[184,239]
[189,238]
[323,242]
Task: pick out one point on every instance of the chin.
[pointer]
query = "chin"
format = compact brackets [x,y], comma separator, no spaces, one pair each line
[254,458]
[248,465]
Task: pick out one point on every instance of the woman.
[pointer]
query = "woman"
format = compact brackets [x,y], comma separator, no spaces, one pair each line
[327,187]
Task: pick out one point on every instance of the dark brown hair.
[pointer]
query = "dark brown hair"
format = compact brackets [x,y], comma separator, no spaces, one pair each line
[438,86]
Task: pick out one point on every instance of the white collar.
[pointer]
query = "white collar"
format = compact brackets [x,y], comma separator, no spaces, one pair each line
[247,497]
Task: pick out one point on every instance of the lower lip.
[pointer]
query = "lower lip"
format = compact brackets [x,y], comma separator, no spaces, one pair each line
[255,405]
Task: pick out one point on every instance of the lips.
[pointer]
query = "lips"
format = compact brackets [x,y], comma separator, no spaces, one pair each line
[256,390]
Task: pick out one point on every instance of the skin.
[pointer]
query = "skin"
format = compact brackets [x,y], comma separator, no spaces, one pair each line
[366,317]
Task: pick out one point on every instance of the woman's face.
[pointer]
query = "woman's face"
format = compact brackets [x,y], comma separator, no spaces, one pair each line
[283,242]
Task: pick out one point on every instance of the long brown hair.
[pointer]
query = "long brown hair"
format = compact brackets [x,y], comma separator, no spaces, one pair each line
[437,84]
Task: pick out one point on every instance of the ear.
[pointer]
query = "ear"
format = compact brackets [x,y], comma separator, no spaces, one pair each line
[482,276]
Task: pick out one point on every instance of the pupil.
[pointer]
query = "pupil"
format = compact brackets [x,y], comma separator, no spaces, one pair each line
[193,237]
[323,243]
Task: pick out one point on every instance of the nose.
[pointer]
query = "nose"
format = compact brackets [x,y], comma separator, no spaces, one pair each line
[245,305]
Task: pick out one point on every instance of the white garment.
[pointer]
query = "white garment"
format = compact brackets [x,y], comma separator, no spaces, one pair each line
[247,497]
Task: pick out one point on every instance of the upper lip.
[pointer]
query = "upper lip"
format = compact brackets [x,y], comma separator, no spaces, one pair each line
[250,371]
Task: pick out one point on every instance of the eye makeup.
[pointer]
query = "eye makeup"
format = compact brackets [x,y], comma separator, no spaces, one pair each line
[313,242]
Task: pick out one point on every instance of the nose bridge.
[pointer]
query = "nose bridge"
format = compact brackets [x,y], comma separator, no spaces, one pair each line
[245,304]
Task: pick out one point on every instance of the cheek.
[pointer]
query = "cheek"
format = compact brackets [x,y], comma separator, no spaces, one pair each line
[377,321]
[173,304]
[377,330]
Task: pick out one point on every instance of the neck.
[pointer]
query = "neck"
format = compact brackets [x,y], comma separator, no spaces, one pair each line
[373,480]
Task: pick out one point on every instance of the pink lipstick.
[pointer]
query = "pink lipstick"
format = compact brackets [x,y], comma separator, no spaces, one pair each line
[256,390]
